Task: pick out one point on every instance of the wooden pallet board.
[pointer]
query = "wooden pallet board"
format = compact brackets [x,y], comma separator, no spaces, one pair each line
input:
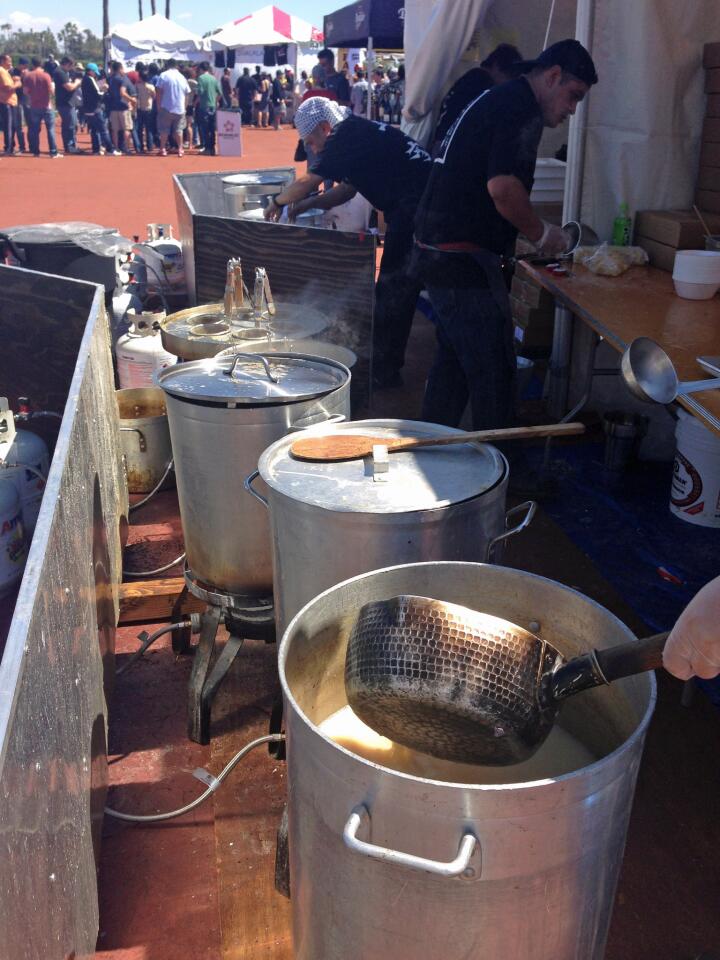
[142,601]
[254,918]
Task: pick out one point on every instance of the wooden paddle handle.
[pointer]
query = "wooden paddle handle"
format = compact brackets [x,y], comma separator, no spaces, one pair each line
[630,658]
[487,436]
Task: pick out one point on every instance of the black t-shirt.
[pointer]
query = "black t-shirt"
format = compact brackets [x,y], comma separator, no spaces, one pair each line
[91,96]
[339,85]
[115,99]
[469,86]
[62,96]
[382,163]
[246,88]
[496,135]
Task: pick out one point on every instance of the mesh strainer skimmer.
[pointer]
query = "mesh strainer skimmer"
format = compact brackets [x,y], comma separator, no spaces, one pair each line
[466,686]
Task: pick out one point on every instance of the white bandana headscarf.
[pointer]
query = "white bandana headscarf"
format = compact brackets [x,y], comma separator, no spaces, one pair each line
[316,109]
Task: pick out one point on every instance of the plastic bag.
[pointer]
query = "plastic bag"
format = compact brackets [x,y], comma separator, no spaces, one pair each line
[102,241]
[608,260]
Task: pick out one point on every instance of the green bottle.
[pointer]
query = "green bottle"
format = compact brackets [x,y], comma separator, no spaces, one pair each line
[622,228]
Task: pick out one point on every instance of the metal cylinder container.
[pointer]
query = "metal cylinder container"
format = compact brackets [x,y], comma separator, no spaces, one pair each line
[223,412]
[331,521]
[144,437]
[397,866]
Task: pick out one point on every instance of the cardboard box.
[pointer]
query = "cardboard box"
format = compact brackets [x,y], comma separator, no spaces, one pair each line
[708,200]
[711,130]
[712,108]
[709,178]
[711,55]
[680,229]
[661,254]
[710,155]
[712,80]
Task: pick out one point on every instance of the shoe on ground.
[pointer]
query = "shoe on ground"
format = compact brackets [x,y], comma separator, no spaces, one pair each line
[181,152]
[56,156]
[116,153]
[163,152]
[101,152]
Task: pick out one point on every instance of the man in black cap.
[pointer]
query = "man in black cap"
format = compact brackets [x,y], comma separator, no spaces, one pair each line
[476,201]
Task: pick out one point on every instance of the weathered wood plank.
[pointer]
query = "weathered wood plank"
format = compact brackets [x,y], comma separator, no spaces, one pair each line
[142,601]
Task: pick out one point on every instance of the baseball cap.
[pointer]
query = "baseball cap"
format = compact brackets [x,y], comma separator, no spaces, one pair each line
[93,68]
[571,55]
[314,111]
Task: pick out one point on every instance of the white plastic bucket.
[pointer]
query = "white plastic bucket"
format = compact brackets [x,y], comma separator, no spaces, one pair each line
[695,487]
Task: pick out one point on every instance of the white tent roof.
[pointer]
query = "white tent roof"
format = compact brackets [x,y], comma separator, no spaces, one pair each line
[265,27]
[154,38]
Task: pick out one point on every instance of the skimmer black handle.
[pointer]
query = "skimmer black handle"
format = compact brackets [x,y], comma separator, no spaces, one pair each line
[603,666]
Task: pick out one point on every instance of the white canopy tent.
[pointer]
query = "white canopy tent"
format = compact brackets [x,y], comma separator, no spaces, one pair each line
[269,27]
[154,38]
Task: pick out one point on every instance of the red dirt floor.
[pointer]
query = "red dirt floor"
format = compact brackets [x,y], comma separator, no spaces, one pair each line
[123,192]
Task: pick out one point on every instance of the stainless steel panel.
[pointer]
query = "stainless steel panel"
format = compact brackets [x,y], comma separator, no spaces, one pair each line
[53,712]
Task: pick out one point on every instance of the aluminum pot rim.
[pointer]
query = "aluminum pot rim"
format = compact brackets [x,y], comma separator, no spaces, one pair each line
[274,487]
[546,783]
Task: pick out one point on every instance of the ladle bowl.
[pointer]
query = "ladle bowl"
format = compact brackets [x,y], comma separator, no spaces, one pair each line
[650,375]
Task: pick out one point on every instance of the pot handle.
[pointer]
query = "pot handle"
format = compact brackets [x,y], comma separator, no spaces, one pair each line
[460,866]
[251,356]
[142,442]
[316,422]
[530,508]
[248,484]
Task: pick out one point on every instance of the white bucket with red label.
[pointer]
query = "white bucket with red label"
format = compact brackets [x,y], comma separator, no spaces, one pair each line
[695,487]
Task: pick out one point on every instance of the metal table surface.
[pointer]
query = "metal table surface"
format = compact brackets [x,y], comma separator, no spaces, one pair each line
[642,303]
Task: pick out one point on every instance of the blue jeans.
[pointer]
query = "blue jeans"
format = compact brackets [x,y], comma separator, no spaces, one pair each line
[37,116]
[144,124]
[207,122]
[475,360]
[97,125]
[68,121]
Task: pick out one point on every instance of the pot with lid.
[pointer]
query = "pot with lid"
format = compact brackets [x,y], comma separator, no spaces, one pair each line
[423,859]
[250,191]
[223,412]
[331,521]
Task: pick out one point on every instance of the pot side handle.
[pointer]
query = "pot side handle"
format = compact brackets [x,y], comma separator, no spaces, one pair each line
[530,508]
[248,484]
[460,866]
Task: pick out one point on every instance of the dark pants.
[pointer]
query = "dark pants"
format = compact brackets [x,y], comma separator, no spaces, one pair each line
[144,129]
[396,294]
[6,125]
[246,110]
[68,124]
[37,118]
[475,359]
[17,127]
[98,127]
[207,124]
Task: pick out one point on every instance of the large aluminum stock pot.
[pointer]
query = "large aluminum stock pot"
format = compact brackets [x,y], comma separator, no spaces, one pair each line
[331,521]
[223,412]
[398,865]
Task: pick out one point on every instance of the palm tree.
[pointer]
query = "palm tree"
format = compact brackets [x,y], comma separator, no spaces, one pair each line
[106,18]
[167,9]
[140,10]
[152,7]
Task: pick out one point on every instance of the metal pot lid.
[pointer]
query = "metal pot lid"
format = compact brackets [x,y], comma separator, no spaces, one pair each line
[253,379]
[245,179]
[426,479]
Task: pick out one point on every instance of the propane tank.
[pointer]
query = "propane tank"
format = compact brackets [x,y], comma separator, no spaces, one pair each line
[140,353]
[25,460]
[163,258]
[13,545]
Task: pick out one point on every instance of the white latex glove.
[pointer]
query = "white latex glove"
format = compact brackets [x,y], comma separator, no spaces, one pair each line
[693,647]
[553,241]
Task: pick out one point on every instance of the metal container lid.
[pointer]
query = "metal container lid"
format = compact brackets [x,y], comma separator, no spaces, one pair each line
[246,380]
[426,479]
[246,179]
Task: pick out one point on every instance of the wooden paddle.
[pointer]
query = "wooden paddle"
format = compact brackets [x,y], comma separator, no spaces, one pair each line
[354,446]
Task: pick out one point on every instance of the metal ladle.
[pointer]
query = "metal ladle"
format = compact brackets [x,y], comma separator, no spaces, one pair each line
[649,373]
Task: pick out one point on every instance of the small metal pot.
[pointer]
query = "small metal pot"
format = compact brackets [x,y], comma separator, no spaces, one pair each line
[144,438]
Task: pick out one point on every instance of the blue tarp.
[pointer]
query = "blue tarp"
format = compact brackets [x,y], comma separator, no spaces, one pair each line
[351,26]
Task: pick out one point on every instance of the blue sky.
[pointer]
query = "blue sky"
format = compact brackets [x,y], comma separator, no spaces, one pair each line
[198,17]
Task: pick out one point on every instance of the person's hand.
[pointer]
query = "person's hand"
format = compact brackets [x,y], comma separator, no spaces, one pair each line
[693,647]
[554,241]
[272,211]
[295,209]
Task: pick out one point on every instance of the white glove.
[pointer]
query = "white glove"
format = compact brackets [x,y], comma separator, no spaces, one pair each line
[554,240]
[693,647]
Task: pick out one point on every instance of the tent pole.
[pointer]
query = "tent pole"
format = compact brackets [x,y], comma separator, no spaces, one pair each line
[562,333]
[370,68]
